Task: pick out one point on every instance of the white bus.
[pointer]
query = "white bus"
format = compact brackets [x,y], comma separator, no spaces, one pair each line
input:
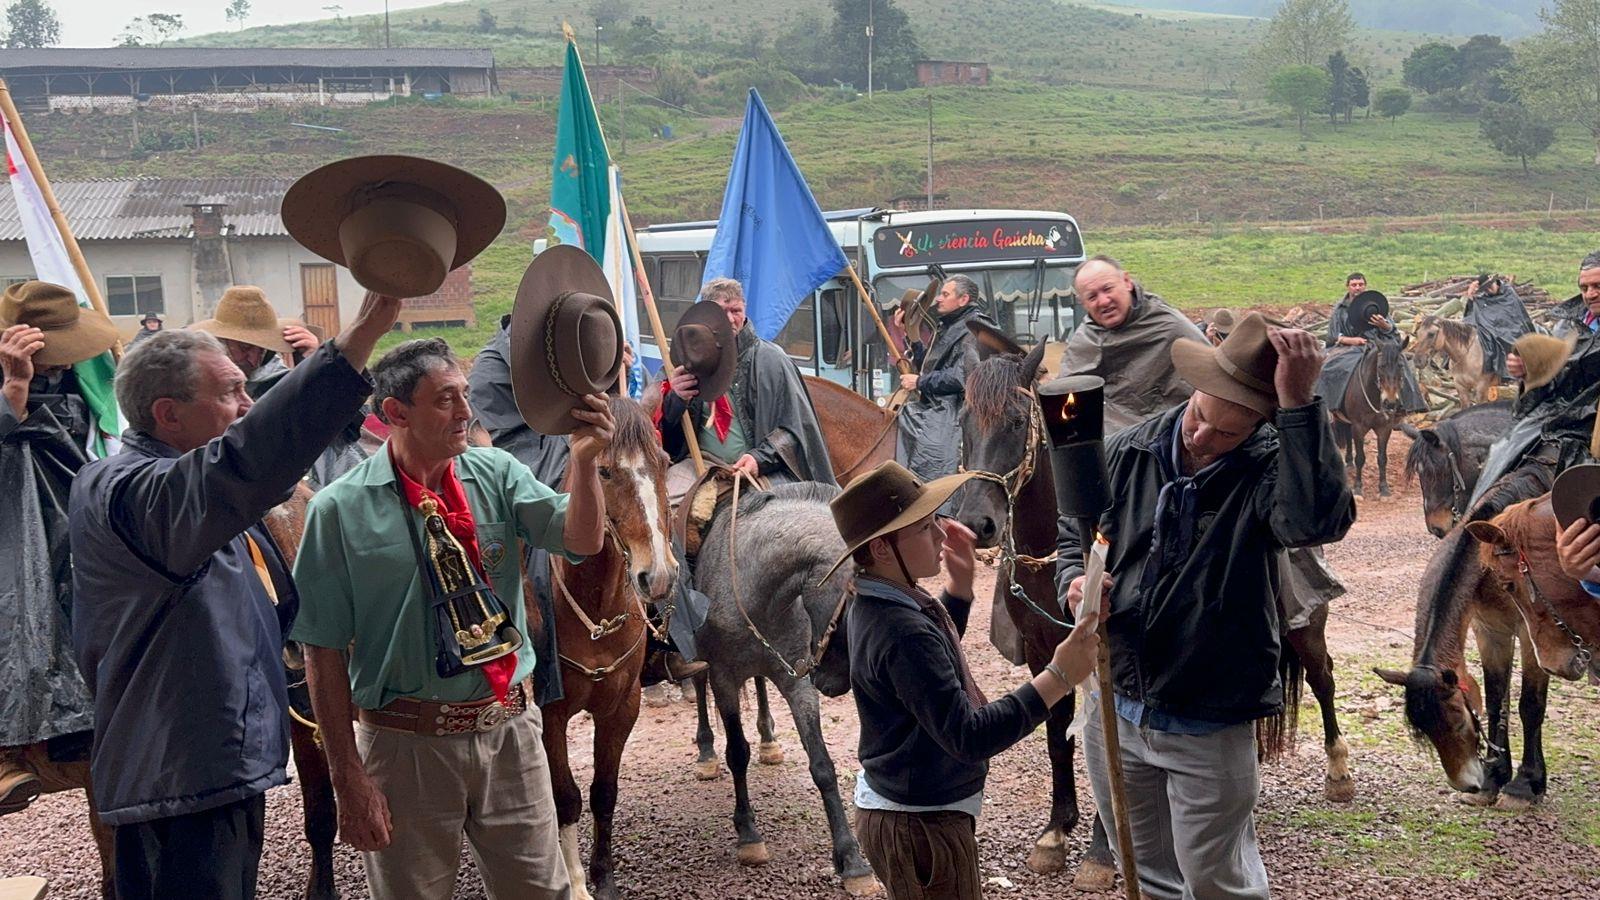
[1022,260]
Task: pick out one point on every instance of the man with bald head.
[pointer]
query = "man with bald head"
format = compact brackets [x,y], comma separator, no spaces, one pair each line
[1127,341]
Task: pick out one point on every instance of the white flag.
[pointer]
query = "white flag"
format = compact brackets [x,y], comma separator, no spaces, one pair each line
[618,266]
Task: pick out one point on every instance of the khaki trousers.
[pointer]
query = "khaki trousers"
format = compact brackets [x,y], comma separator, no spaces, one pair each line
[492,786]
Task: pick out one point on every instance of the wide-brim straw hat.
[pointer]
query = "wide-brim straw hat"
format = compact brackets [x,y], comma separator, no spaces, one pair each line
[1241,369]
[1542,357]
[566,338]
[399,223]
[244,314]
[1576,495]
[885,500]
[72,333]
[703,344]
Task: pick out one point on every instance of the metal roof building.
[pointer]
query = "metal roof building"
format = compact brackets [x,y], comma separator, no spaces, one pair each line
[134,208]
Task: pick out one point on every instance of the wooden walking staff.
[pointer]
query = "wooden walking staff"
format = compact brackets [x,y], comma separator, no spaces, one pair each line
[74,253]
[1074,417]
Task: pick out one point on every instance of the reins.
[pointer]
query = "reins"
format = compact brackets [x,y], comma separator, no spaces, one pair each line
[1585,655]
[605,627]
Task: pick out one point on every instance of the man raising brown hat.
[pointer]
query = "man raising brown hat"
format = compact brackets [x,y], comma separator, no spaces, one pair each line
[1208,495]
[45,427]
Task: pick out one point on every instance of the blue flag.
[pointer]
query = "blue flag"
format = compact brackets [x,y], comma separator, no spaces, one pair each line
[771,236]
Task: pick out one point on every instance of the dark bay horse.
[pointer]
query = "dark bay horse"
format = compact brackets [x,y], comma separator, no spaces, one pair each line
[1443,700]
[1371,402]
[1448,458]
[601,625]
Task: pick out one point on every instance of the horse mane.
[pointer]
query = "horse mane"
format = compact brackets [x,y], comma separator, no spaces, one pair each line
[632,429]
[991,393]
[1422,460]
[806,491]
[1522,524]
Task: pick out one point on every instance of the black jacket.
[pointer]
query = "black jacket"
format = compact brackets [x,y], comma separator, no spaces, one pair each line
[1204,643]
[922,743]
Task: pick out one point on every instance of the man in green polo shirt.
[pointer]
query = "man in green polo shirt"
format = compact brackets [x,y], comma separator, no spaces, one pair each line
[432,757]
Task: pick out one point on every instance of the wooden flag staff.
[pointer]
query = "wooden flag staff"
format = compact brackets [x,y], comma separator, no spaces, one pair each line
[74,253]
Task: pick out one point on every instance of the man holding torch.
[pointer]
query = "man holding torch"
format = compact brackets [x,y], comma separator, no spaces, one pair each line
[1206,495]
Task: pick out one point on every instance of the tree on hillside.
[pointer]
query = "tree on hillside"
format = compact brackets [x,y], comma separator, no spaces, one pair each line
[1304,32]
[152,30]
[1360,93]
[487,23]
[894,46]
[31,23]
[1432,68]
[237,12]
[1392,103]
[1516,132]
[1483,62]
[1302,89]
[641,39]
[607,13]
[1557,74]
[1339,93]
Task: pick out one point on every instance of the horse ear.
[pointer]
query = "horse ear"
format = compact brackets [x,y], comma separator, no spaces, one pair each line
[1488,533]
[1410,431]
[992,341]
[1031,362]
[1393,676]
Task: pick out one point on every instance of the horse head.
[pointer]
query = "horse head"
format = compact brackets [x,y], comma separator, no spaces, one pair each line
[1432,461]
[633,475]
[995,430]
[1442,708]
[1391,373]
[1427,341]
[1518,547]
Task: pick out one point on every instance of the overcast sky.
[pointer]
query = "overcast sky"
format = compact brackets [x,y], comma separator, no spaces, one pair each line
[97,23]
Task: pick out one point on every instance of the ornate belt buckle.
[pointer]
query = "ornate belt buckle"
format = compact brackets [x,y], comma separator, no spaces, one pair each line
[491,717]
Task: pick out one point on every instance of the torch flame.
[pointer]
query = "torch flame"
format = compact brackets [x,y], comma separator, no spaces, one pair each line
[1100,538]
[1069,408]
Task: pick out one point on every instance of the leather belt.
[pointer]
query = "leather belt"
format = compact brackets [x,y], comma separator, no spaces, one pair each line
[439,719]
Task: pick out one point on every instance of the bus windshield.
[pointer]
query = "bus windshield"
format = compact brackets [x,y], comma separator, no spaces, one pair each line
[1028,303]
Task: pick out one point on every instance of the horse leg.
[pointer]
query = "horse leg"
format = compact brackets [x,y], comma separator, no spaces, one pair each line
[610,736]
[104,844]
[1098,871]
[1494,648]
[1358,442]
[1049,853]
[847,859]
[706,767]
[1311,645]
[1383,460]
[769,752]
[752,849]
[1527,788]
[321,810]
[569,800]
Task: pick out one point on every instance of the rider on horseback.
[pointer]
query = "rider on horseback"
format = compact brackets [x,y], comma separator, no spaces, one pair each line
[1359,319]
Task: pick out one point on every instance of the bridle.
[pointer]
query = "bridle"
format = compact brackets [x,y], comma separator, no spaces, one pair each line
[1484,745]
[606,627]
[1584,653]
[1012,483]
[1459,495]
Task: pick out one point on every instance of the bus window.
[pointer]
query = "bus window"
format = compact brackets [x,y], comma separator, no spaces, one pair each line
[675,281]
[799,337]
[835,326]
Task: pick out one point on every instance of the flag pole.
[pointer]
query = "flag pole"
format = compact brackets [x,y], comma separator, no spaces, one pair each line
[31,159]
[900,362]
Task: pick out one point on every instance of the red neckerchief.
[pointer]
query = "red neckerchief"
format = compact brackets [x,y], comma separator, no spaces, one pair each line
[721,413]
[457,513]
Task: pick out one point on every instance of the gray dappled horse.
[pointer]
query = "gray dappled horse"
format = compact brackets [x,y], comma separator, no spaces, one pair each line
[772,564]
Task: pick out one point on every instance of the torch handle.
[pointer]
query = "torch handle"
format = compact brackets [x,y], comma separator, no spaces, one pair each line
[1108,725]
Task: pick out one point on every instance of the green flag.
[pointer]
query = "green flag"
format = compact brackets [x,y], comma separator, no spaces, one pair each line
[580,194]
[95,382]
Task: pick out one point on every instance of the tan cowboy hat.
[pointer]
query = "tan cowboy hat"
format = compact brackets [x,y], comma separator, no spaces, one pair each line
[1222,320]
[72,333]
[399,223]
[1576,495]
[566,338]
[1240,369]
[914,303]
[884,500]
[243,314]
[704,345]
[1542,357]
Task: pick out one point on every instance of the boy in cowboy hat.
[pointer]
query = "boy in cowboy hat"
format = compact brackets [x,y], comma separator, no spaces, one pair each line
[45,428]
[1208,494]
[927,732]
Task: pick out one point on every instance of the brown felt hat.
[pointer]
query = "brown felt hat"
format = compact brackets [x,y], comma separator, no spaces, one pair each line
[566,338]
[1241,369]
[703,344]
[399,223]
[1576,494]
[244,314]
[1542,357]
[884,500]
[914,304]
[1222,320]
[72,333]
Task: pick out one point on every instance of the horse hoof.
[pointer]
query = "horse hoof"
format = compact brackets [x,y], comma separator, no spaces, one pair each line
[1339,790]
[1094,877]
[1513,802]
[770,754]
[1046,860]
[656,696]
[754,854]
[708,770]
[863,886]
[1482,798]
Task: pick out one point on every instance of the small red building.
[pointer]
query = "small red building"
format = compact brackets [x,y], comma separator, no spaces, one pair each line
[934,72]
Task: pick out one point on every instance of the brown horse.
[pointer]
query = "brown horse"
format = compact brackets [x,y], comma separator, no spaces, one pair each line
[1561,618]
[602,625]
[1443,700]
[859,433]
[1458,342]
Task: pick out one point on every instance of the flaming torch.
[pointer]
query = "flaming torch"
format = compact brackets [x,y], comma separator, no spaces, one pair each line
[1074,418]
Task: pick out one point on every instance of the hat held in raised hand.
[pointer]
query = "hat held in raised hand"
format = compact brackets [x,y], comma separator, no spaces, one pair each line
[1542,357]
[244,314]
[703,344]
[72,333]
[566,338]
[1241,369]
[399,223]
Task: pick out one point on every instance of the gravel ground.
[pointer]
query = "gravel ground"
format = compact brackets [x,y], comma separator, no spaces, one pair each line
[1405,835]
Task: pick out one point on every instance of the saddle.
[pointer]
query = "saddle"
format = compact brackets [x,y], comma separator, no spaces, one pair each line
[700,505]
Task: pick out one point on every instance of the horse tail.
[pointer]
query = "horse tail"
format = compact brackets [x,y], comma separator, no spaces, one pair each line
[1275,734]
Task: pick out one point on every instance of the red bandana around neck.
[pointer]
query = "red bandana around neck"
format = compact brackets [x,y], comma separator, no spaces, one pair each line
[721,413]
[457,513]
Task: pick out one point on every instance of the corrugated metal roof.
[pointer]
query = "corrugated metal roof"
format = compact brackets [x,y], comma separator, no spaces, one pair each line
[125,208]
[146,58]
